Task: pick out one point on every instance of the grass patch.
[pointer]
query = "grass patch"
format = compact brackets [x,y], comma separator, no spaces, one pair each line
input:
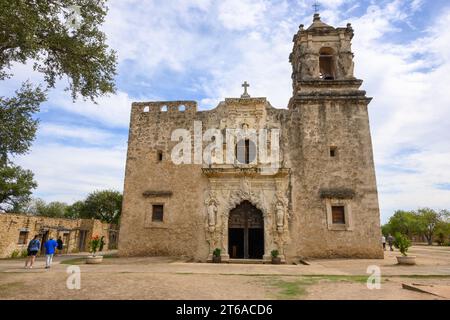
[74,261]
[350,278]
[297,288]
[291,289]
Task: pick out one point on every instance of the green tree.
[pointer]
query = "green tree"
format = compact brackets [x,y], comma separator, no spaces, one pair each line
[386,229]
[442,233]
[53,209]
[74,211]
[429,220]
[404,222]
[62,37]
[17,131]
[15,186]
[45,33]
[105,205]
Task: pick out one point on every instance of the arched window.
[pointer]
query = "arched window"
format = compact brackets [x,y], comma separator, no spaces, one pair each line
[327,64]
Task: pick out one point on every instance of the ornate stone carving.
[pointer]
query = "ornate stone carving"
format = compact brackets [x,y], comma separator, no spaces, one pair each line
[280,212]
[346,65]
[310,66]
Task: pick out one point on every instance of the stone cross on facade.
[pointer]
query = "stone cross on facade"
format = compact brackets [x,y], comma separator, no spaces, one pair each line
[245,85]
[316,7]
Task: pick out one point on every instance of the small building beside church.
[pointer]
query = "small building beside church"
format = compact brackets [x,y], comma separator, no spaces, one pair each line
[248,178]
[17,230]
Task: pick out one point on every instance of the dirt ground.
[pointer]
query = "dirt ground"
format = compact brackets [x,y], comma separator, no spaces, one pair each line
[166,278]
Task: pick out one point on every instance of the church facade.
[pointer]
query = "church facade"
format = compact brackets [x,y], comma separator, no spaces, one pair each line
[248,178]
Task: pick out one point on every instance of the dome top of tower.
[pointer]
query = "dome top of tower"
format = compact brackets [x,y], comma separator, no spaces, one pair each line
[318,24]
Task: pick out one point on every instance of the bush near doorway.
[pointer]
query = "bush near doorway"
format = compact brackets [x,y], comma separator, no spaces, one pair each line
[216,256]
[275,257]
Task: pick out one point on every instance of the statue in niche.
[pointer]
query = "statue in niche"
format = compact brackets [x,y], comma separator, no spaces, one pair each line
[245,186]
[212,215]
[280,216]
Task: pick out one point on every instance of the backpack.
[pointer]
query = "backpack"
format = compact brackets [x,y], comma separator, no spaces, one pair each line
[33,244]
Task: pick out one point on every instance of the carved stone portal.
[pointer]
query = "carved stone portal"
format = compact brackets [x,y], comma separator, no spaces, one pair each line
[266,194]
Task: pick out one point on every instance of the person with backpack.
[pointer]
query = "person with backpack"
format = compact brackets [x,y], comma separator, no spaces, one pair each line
[32,250]
[60,245]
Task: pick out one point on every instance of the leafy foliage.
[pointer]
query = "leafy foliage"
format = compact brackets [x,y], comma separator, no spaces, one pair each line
[42,31]
[217,252]
[94,244]
[402,243]
[18,127]
[15,186]
[105,205]
[424,222]
[73,211]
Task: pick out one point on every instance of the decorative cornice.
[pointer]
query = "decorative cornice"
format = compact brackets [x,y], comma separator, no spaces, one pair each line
[245,172]
[337,193]
[157,194]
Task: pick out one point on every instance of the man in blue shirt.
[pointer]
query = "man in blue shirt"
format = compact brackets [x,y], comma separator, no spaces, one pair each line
[50,246]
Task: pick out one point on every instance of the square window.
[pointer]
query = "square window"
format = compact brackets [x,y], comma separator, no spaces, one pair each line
[333,152]
[158,213]
[338,214]
[23,236]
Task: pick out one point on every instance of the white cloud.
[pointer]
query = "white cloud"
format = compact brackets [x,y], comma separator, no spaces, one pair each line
[85,135]
[113,110]
[241,14]
[67,173]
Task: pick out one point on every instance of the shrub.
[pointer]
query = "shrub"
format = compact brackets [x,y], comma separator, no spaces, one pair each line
[217,252]
[94,244]
[15,254]
[402,243]
[275,253]
[24,253]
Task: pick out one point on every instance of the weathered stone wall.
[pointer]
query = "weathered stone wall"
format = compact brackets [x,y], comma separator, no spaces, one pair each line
[150,133]
[12,224]
[344,126]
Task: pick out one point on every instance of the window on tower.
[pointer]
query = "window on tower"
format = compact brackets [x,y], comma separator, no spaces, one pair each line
[327,64]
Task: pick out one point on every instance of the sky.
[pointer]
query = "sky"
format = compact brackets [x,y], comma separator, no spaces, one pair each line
[203,50]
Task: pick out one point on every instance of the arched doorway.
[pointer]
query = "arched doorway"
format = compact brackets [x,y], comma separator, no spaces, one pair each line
[246,232]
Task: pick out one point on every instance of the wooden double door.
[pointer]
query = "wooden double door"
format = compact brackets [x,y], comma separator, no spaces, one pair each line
[246,232]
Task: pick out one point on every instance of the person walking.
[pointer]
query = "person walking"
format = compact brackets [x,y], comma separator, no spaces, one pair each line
[32,250]
[383,241]
[60,245]
[50,247]
[390,240]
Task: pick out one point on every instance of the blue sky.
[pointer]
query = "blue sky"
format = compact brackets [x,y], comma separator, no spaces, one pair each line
[203,50]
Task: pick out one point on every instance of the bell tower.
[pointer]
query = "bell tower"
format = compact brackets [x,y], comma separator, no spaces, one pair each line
[322,60]
[331,159]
